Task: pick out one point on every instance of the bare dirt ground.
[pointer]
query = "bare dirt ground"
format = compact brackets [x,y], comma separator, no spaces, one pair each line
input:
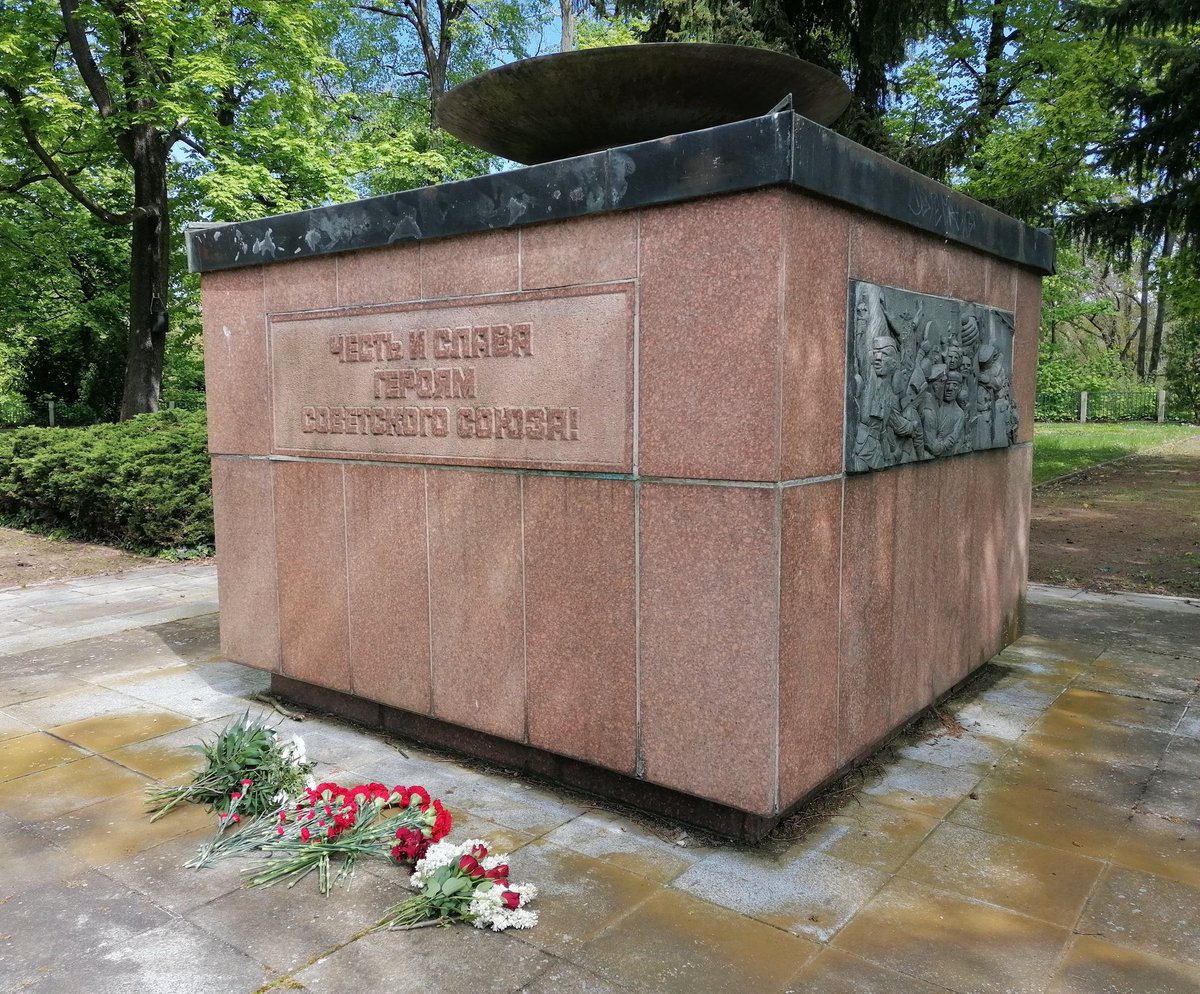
[27,558]
[1132,525]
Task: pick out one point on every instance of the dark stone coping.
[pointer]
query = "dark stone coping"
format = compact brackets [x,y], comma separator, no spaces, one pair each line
[780,149]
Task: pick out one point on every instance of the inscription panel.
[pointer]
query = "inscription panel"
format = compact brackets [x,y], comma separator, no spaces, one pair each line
[926,377]
[528,379]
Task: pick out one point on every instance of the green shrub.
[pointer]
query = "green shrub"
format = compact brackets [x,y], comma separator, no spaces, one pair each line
[144,484]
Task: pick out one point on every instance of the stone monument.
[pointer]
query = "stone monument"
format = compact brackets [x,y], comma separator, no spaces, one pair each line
[684,472]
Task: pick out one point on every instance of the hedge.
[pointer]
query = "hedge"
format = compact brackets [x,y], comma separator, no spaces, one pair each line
[144,484]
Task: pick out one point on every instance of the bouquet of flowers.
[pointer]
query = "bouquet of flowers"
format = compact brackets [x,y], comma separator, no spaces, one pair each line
[248,759]
[396,823]
[463,883]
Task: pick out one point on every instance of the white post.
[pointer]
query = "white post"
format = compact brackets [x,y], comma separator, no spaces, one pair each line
[50,412]
[1162,406]
[1083,407]
[170,405]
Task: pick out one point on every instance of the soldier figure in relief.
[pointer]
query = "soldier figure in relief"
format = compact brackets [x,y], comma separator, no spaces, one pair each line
[943,422]
[885,431]
[996,415]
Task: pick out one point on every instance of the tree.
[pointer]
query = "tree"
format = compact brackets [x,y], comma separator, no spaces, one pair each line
[61,309]
[115,86]
[1157,143]
[863,40]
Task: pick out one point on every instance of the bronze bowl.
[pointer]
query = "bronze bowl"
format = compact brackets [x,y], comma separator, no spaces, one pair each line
[572,103]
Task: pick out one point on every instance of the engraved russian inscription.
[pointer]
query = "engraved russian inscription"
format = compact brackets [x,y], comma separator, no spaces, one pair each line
[926,377]
[522,379]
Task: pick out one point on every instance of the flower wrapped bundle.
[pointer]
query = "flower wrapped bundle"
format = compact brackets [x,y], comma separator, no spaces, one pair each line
[247,759]
[463,883]
[396,823]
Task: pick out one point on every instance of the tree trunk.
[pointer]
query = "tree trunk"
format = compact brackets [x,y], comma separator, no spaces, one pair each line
[567,9]
[150,263]
[1156,345]
[1144,318]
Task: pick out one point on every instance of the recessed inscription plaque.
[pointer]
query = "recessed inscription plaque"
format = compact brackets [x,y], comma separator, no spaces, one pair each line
[927,377]
[531,379]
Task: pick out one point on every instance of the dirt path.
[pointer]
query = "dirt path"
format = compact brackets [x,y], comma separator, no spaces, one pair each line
[26,558]
[1132,525]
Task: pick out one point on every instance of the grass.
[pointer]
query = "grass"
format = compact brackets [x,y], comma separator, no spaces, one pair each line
[1065,448]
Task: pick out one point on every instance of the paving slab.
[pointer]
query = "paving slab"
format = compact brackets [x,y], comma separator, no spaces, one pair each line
[1145,912]
[808,893]
[1092,965]
[676,942]
[961,944]
[1051,846]
[448,959]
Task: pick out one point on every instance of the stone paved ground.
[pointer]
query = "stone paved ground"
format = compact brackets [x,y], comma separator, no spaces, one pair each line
[1041,836]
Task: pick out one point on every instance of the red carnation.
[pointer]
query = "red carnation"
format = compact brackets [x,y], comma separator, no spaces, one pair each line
[442,823]
[422,793]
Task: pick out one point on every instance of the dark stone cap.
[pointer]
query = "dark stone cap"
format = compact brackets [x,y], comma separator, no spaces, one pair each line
[781,149]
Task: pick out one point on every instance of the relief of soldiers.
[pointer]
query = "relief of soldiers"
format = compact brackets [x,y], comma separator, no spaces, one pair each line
[926,385]
[887,427]
[995,398]
[943,421]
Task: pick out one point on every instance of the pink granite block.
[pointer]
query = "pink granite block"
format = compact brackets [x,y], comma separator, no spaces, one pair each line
[388,585]
[808,637]
[892,254]
[301,284]
[597,249]
[989,549]
[235,362]
[709,663]
[243,516]
[379,276]
[467,265]
[1025,343]
[476,601]
[310,536]
[967,273]
[710,338]
[1000,284]
[917,586]
[816,248]
[1020,496]
[968,496]
[949,483]
[580,615]
[867,579]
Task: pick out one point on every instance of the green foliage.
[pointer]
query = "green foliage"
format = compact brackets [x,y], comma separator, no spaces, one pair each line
[605,32]
[1183,368]
[862,41]
[1061,449]
[62,320]
[1062,375]
[1155,141]
[144,483]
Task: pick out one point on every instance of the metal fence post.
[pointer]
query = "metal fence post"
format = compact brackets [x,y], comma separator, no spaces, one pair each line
[50,413]
[1083,407]
[1162,406]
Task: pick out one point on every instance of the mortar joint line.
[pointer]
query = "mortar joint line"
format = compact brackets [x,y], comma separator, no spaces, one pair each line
[429,591]
[346,568]
[524,615]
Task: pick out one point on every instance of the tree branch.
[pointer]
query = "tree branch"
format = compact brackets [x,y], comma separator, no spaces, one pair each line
[192,143]
[93,79]
[63,177]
